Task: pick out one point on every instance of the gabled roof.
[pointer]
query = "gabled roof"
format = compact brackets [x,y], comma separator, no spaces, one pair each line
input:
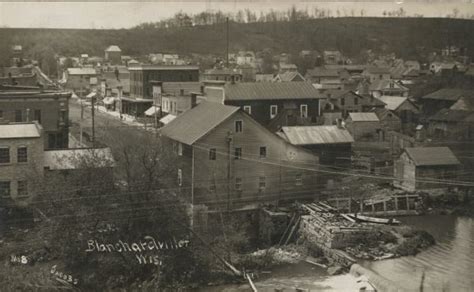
[464,104]
[20,130]
[312,135]
[363,117]
[271,91]
[289,76]
[450,94]
[113,49]
[197,122]
[385,84]
[430,156]
[393,102]
[383,113]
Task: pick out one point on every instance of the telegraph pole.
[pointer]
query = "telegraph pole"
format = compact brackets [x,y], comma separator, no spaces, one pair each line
[227,28]
[93,121]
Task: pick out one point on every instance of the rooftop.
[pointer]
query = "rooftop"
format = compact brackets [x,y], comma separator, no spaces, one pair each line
[162,67]
[450,94]
[289,76]
[197,122]
[271,91]
[430,156]
[322,72]
[363,117]
[113,49]
[78,158]
[81,71]
[378,70]
[20,130]
[392,102]
[311,135]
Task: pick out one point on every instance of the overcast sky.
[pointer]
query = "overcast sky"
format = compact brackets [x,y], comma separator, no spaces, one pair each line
[128,14]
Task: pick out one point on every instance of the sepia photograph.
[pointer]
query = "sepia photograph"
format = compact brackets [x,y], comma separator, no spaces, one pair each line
[237,145]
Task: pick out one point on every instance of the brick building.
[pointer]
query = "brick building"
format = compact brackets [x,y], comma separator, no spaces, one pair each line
[21,161]
[49,107]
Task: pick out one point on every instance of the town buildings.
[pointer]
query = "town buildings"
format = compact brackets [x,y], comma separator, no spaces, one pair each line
[80,80]
[403,107]
[332,144]
[222,74]
[21,161]
[443,99]
[425,168]
[174,80]
[113,55]
[227,160]
[363,126]
[289,76]
[49,107]
[265,100]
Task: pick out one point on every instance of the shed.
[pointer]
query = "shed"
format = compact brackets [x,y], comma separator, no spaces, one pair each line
[363,126]
[425,168]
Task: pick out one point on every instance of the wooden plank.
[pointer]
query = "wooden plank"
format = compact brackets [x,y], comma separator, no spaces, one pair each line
[292,230]
[348,218]
[252,285]
[287,229]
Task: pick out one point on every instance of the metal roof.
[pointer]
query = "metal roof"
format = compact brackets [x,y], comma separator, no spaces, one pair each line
[197,122]
[81,71]
[312,135]
[113,49]
[464,104]
[363,117]
[430,156]
[162,67]
[392,102]
[10,131]
[78,158]
[271,91]
[451,94]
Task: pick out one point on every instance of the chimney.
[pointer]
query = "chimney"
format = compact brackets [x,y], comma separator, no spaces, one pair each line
[193,99]
[339,124]
[27,115]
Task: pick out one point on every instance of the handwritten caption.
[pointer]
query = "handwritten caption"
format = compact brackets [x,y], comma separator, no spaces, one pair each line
[148,244]
[63,277]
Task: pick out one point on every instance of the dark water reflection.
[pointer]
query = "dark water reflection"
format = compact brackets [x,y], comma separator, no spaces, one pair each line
[448,265]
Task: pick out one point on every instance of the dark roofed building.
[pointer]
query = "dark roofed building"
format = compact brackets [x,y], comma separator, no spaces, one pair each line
[443,98]
[223,74]
[265,100]
[204,138]
[424,167]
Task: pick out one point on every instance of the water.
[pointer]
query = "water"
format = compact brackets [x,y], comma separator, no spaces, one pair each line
[448,265]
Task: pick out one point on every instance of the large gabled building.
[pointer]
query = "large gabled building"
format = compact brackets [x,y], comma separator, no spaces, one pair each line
[226,159]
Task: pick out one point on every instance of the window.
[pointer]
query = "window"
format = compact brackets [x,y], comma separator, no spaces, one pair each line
[299,179]
[238,183]
[38,116]
[5,155]
[343,101]
[22,188]
[180,177]
[238,126]
[5,189]
[18,116]
[180,149]
[273,111]
[356,101]
[1,114]
[263,152]
[212,154]
[248,109]
[212,186]
[237,153]
[304,110]
[262,183]
[22,154]
[62,117]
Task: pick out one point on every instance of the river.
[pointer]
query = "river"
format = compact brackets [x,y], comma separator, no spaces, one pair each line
[448,265]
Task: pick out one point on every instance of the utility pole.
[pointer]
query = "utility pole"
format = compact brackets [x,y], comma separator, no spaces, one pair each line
[227,55]
[93,121]
[229,167]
